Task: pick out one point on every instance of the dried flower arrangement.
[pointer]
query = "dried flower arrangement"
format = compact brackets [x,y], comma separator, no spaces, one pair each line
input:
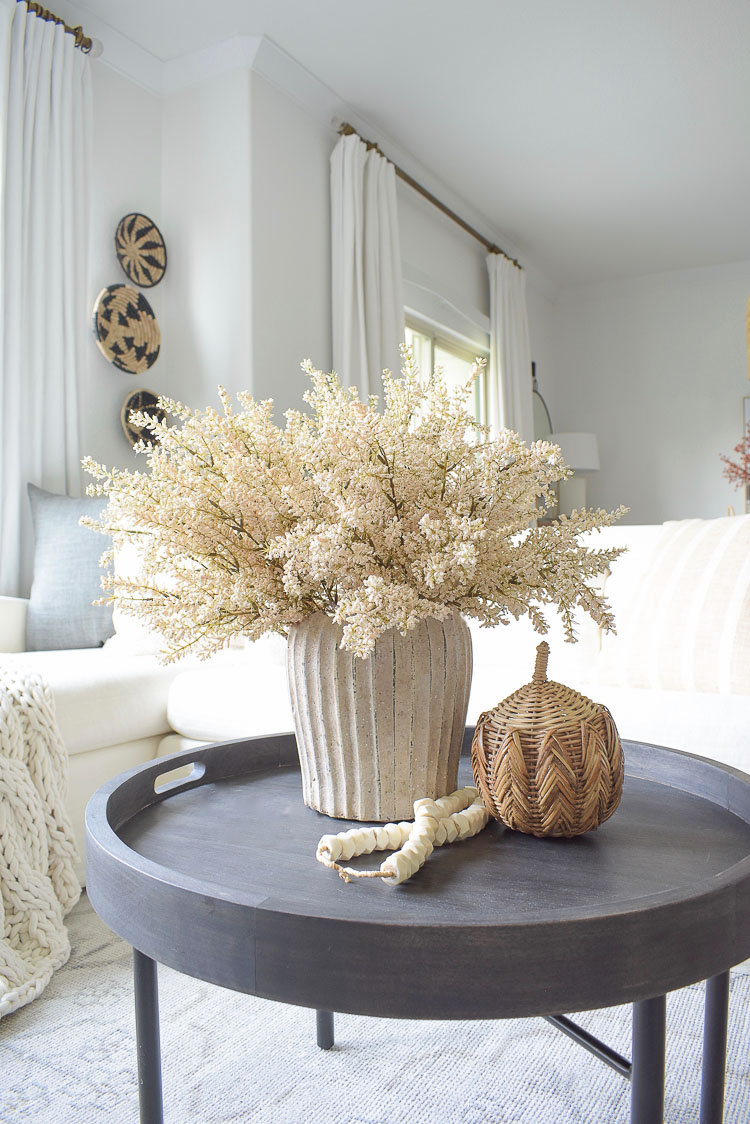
[379,519]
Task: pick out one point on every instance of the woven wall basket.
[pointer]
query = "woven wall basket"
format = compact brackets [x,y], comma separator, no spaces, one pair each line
[547,760]
[141,250]
[126,330]
[145,402]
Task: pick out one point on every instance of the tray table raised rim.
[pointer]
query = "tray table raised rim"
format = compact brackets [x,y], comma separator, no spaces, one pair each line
[716,908]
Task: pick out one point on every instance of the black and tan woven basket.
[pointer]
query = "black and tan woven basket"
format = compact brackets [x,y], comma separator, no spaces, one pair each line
[125,328]
[145,402]
[140,250]
[547,760]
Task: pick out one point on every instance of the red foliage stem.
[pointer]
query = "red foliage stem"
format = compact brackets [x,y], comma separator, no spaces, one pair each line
[738,472]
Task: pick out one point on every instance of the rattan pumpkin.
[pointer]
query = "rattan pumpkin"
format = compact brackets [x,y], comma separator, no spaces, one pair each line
[547,760]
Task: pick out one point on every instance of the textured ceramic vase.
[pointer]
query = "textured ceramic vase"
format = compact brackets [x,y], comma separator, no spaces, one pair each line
[376,734]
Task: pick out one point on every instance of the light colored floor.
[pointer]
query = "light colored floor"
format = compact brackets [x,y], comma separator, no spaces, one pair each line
[69,1058]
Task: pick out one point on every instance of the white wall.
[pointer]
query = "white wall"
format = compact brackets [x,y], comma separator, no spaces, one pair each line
[541,311]
[657,368]
[206,203]
[184,160]
[236,172]
[289,251]
[126,176]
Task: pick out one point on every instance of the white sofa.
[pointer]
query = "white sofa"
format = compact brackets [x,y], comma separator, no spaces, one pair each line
[112,702]
[677,673]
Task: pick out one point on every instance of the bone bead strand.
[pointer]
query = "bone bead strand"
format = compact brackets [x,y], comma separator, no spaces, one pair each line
[436,822]
[360,841]
[469,817]
[418,847]
[463,824]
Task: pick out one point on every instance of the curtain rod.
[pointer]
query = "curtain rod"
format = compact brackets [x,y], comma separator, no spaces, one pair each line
[347,130]
[81,40]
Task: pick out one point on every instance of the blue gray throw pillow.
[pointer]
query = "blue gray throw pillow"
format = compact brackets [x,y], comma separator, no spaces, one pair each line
[66,575]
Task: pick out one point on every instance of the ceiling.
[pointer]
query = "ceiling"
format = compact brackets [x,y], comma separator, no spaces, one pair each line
[604,140]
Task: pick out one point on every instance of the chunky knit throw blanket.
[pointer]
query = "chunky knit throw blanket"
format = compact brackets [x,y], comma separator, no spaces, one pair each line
[38,885]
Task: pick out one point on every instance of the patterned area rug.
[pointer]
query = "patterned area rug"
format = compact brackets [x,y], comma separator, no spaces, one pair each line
[69,1057]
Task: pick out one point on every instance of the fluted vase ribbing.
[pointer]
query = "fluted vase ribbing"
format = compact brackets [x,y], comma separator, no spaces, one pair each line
[378,733]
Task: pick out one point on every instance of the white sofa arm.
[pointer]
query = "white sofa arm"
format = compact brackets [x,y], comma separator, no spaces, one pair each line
[13,624]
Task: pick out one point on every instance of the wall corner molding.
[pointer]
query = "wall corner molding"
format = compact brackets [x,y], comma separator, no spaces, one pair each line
[239,51]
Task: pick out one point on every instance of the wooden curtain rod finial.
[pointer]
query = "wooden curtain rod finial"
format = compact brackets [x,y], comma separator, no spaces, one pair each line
[347,130]
[81,40]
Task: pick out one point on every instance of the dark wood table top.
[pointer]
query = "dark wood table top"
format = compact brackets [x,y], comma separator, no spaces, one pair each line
[217,877]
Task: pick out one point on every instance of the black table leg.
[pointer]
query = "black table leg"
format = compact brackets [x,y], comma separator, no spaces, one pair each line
[324,1027]
[649,1041]
[147,1039]
[715,1022]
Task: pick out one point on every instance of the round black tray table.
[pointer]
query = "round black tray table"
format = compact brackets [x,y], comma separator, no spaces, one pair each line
[214,874]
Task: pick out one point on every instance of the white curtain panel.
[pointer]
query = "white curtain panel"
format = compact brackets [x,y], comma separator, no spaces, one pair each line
[367,289]
[509,385]
[45,128]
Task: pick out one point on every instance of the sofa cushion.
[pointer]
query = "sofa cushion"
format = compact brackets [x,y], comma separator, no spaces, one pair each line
[684,612]
[103,700]
[624,579]
[132,636]
[212,704]
[66,575]
[708,724]
[88,771]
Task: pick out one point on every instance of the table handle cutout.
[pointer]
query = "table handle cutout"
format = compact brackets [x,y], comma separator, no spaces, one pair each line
[184,777]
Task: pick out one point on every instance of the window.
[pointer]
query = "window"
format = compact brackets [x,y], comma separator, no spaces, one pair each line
[432,349]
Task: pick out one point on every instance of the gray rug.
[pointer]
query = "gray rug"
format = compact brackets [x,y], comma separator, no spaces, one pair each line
[69,1058]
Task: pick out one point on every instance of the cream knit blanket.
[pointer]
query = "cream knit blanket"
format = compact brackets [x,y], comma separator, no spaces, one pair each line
[38,886]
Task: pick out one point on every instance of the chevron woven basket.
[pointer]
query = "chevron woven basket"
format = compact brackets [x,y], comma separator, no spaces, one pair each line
[547,760]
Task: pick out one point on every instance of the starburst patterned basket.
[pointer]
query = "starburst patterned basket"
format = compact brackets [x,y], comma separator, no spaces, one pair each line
[141,250]
[547,760]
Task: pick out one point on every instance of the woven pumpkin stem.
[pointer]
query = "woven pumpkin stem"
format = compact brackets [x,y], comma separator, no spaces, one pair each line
[540,667]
